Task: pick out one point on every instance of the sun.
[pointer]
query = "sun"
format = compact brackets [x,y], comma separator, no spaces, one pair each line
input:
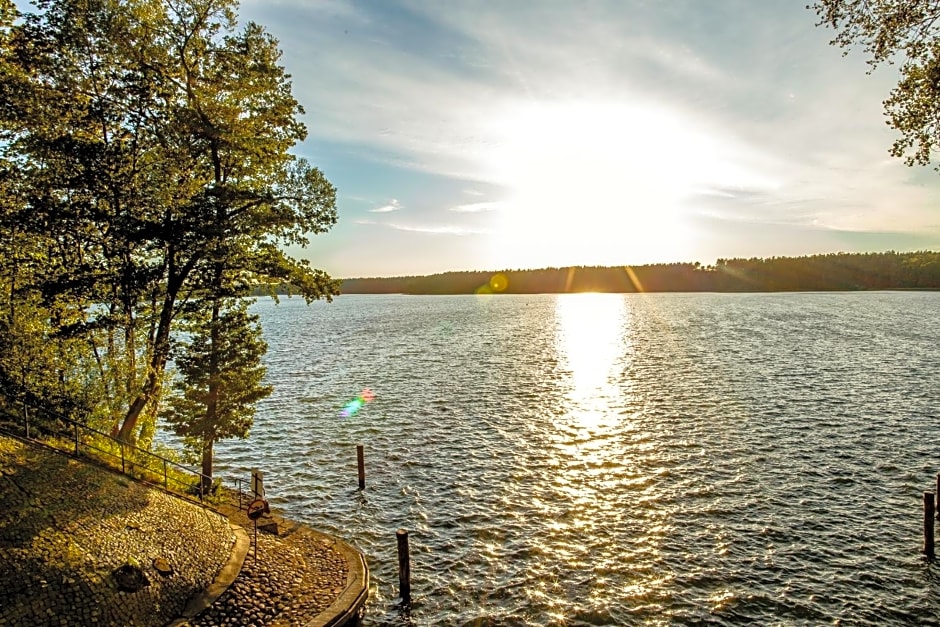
[594,183]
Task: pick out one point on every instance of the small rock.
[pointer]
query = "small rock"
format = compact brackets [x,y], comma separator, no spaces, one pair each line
[162,566]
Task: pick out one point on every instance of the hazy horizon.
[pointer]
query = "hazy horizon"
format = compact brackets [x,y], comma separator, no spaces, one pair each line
[472,134]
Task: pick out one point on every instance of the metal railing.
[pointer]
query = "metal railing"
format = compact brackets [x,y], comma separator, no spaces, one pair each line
[74,438]
[244,497]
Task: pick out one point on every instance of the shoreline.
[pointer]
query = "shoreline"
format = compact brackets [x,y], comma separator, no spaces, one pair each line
[69,525]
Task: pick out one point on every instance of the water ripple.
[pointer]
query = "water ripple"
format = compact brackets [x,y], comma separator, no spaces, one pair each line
[608,459]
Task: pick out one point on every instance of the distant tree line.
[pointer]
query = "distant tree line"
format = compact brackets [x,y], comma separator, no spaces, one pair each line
[836,271]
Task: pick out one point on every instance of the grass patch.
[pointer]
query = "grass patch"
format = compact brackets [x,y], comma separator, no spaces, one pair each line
[155,469]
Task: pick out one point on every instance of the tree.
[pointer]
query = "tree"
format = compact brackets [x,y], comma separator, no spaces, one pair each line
[220,381]
[36,364]
[153,140]
[887,30]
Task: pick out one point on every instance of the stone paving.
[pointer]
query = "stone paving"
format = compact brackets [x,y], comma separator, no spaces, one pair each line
[66,526]
[299,577]
[296,576]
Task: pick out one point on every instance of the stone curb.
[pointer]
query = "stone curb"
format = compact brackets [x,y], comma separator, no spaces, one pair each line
[349,605]
[221,582]
[351,600]
[348,594]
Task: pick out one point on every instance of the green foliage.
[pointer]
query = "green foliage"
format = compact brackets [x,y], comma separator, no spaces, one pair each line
[908,30]
[220,380]
[36,365]
[146,173]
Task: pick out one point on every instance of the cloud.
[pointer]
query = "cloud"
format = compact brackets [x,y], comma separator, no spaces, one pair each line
[393,205]
[476,207]
[434,110]
[437,230]
[431,229]
[735,112]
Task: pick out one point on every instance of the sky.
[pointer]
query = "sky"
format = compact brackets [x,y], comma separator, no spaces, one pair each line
[472,135]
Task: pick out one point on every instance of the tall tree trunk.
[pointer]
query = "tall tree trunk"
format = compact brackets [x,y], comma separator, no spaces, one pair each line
[161,345]
[207,467]
[151,388]
[212,402]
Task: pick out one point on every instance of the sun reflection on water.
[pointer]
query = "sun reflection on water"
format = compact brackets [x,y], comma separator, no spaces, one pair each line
[591,341]
[601,523]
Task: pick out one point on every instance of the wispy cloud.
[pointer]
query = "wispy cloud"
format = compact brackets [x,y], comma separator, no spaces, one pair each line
[430,229]
[392,205]
[437,229]
[627,115]
[476,207]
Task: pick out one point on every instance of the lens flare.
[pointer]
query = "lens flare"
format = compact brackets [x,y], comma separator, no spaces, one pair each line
[497,283]
[351,408]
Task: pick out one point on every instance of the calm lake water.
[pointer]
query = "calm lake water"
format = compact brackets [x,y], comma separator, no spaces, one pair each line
[615,459]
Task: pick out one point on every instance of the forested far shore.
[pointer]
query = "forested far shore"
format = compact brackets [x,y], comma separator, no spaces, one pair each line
[835,271]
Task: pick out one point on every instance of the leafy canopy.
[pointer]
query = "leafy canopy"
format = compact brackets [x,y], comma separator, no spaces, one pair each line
[905,30]
[145,163]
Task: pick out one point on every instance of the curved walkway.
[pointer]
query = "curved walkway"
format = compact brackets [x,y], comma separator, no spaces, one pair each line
[66,526]
[298,577]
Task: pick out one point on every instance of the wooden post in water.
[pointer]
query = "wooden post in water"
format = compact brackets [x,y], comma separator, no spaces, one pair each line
[937,507]
[404,567]
[362,467]
[928,524]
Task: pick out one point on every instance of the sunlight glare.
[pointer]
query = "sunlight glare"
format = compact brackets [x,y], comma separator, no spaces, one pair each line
[591,340]
[595,183]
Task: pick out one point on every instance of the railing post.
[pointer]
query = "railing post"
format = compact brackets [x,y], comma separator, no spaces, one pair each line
[121,446]
[26,418]
[165,482]
[75,424]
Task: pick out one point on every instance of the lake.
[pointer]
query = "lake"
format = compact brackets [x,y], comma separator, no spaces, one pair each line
[607,459]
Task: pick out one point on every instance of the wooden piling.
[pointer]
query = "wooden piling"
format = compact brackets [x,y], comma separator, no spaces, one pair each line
[360,460]
[928,524]
[937,506]
[404,567]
